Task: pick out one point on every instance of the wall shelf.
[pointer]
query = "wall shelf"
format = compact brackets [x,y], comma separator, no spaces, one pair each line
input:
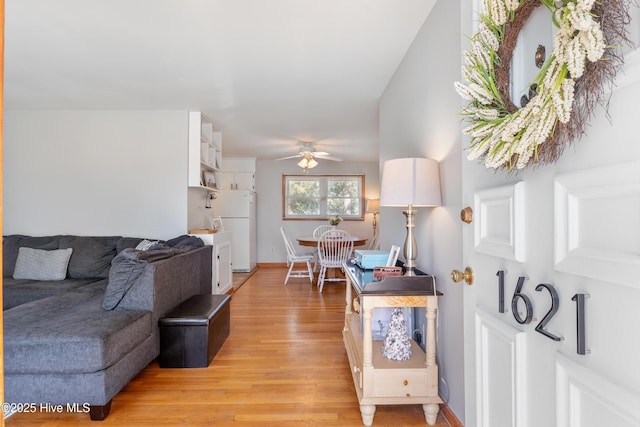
[205,152]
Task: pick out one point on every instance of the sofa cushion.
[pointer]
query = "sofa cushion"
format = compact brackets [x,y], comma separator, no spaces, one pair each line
[70,333]
[41,264]
[91,256]
[127,242]
[16,292]
[11,245]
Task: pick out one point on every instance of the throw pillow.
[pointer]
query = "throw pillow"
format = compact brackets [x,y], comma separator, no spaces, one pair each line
[12,243]
[146,244]
[40,264]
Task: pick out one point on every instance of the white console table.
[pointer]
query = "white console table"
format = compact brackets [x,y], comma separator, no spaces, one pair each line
[378,380]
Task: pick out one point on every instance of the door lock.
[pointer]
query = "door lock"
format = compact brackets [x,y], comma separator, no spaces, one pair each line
[467,276]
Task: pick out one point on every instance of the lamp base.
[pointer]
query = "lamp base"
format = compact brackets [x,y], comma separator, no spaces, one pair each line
[410,250]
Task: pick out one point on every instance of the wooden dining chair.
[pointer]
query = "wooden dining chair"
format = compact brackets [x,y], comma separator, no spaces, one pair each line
[334,249]
[293,257]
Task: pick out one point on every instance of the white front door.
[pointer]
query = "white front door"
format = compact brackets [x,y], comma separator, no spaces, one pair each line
[552,334]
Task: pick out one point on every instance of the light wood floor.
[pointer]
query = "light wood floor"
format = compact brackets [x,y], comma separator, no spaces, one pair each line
[284,364]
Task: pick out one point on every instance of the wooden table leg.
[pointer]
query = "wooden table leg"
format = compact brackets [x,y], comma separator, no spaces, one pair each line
[367,412]
[431,412]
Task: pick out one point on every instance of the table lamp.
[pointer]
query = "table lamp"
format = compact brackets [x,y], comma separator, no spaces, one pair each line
[410,182]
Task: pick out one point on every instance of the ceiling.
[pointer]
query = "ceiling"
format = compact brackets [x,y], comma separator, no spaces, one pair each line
[269,73]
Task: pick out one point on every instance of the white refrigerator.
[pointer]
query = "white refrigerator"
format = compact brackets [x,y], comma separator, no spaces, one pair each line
[237,209]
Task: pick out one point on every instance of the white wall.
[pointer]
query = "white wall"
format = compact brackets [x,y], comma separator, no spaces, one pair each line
[125,173]
[95,173]
[419,118]
[269,195]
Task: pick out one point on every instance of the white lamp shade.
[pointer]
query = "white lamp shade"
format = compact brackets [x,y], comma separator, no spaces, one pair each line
[410,181]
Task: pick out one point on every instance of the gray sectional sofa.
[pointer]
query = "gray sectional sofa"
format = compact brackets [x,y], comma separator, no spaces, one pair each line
[78,341]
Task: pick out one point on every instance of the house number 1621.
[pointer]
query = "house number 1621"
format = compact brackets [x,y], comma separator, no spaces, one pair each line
[520,298]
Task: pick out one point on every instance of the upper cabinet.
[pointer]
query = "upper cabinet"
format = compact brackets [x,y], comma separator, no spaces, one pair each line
[239,173]
[239,181]
[205,153]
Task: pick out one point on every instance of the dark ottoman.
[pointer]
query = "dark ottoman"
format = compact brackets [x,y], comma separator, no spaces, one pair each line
[192,334]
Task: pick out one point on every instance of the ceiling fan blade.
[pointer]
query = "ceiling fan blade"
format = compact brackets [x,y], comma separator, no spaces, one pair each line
[333,158]
[308,150]
[291,157]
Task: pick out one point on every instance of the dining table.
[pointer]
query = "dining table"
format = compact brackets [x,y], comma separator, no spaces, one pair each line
[313,242]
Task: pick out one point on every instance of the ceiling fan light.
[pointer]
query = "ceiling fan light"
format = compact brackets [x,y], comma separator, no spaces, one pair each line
[307,162]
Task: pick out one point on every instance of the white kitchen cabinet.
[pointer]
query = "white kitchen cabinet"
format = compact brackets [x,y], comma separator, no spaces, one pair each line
[239,181]
[239,173]
[222,249]
[221,273]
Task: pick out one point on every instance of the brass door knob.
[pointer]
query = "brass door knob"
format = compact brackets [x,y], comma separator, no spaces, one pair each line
[467,276]
[466,215]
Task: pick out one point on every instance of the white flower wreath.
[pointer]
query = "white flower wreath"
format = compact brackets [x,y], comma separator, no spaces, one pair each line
[502,135]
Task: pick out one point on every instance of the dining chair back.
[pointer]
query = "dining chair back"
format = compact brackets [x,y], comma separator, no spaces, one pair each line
[320,230]
[334,249]
[293,256]
[317,233]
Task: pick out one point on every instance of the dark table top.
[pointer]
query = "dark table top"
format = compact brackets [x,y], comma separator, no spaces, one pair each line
[365,284]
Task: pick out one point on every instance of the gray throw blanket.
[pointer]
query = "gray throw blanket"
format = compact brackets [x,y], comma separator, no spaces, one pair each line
[127,266]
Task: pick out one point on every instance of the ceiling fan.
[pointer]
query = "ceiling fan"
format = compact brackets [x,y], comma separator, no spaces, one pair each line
[308,153]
